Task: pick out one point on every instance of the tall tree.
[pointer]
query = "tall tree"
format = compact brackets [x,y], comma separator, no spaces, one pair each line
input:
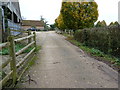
[101,24]
[98,24]
[111,24]
[78,15]
[114,23]
[60,23]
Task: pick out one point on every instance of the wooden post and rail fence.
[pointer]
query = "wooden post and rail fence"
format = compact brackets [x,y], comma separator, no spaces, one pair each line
[13,74]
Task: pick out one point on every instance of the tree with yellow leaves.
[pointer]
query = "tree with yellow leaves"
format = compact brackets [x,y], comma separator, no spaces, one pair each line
[60,23]
[78,15]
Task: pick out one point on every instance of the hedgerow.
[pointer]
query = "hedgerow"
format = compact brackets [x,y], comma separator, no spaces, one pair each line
[106,39]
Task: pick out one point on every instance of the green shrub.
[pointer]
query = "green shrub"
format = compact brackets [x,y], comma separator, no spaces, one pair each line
[106,39]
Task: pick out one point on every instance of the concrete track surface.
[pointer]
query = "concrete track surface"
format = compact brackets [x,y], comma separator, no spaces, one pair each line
[63,65]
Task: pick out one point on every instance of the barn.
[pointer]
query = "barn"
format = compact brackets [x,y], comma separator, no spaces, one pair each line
[26,24]
[10,18]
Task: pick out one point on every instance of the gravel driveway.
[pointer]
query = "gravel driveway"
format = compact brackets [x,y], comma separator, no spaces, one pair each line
[63,65]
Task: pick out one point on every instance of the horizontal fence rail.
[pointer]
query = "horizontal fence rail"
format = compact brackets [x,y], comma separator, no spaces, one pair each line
[23,49]
[24,38]
[6,63]
[13,55]
[23,60]
[4,80]
[4,45]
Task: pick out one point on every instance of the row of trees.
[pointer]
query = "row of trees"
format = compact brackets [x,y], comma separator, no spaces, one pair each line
[77,15]
[103,24]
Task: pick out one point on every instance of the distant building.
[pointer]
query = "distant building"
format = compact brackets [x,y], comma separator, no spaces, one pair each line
[10,17]
[26,24]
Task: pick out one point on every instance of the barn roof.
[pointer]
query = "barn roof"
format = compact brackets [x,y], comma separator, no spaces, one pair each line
[17,7]
[32,23]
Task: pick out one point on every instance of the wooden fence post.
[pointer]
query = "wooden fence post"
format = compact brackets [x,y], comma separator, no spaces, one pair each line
[29,40]
[12,58]
[34,38]
[9,32]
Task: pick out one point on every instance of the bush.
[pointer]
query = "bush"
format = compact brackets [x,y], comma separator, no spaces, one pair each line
[106,39]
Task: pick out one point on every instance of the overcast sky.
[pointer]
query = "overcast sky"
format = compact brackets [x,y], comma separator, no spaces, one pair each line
[50,9]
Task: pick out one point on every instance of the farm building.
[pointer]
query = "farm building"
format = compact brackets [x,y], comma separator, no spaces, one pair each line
[10,18]
[26,24]
[0,25]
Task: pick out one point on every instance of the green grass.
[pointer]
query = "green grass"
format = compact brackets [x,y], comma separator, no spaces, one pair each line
[18,46]
[23,79]
[30,64]
[34,58]
[38,48]
[94,52]
[32,61]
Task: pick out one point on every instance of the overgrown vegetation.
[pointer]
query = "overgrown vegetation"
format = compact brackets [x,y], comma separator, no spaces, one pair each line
[96,52]
[102,43]
[105,39]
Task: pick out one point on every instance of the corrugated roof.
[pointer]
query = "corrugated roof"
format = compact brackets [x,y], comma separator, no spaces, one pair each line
[17,6]
[32,23]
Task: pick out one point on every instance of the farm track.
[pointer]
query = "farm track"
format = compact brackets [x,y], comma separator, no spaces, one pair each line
[63,65]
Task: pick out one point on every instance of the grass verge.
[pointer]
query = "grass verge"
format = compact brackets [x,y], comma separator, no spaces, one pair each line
[95,53]
[32,62]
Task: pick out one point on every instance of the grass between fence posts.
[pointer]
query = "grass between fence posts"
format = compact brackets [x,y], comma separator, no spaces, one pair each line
[30,64]
[18,46]
[14,74]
